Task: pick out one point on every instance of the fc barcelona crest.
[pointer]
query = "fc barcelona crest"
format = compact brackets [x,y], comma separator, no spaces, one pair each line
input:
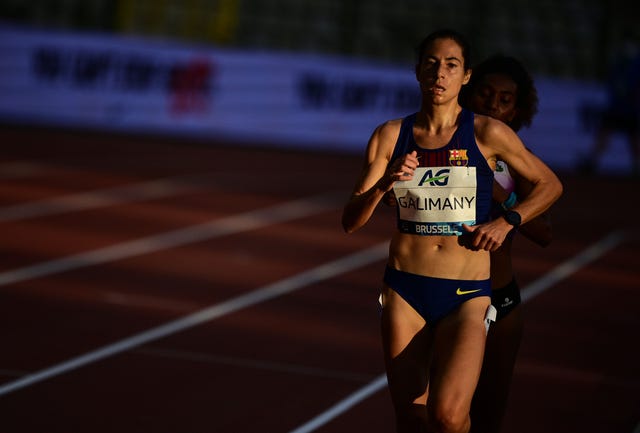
[458,157]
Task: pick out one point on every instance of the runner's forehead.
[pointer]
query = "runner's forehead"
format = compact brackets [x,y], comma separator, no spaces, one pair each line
[444,48]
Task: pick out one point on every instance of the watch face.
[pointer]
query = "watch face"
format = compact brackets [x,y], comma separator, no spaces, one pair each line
[512,218]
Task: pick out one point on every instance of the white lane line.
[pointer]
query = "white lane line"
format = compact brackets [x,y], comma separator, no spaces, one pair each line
[572,265]
[219,227]
[533,289]
[343,405]
[263,294]
[352,400]
[95,199]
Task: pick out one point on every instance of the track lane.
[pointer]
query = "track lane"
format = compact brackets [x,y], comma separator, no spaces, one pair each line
[329,326]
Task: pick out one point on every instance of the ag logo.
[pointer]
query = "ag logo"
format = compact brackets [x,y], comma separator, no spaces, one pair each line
[441,177]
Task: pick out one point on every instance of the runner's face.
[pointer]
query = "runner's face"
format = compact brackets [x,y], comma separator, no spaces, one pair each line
[495,96]
[441,72]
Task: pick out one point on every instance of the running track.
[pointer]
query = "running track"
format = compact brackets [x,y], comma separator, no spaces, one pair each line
[152,285]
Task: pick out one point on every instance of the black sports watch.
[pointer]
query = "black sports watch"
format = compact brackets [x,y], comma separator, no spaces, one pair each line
[512,217]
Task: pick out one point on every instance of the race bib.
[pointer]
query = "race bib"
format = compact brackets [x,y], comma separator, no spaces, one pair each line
[437,201]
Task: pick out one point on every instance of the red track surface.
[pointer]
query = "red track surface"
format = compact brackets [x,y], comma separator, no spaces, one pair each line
[275,364]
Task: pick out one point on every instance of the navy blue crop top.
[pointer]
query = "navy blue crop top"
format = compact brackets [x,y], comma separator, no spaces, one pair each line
[451,186]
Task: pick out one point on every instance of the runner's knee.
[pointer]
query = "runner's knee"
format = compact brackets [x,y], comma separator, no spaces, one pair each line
[448,418]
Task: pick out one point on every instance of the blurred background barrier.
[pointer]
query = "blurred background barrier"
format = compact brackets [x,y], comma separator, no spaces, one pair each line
[293,73]
[138,85]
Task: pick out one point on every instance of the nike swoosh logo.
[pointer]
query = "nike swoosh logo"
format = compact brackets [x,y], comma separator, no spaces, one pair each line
[466,292]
